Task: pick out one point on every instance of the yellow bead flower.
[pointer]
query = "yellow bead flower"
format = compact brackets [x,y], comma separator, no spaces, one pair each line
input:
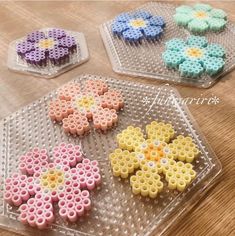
[177,174]
[146,182]
[160,131]
[123,162]
[161,155]
[130,138]
[183,149]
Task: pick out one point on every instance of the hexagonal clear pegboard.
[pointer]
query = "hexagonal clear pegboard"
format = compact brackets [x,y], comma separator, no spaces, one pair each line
[116,211]
[145,59]
[16,63]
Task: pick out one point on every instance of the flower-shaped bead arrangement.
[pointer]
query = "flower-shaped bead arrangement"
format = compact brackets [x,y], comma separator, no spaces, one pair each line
[200,18]
[41,183]
[149,161]
[75,107]
[41,48]
[194,56]
[134,27]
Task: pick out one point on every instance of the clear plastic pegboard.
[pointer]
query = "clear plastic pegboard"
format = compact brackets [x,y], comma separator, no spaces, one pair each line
[49,67]
[115,211]
[145,59]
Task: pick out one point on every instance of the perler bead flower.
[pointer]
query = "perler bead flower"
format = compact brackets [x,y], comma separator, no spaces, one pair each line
[200,18]
[40,48]
[41,183]
[152,159]
[75,107]
[194,56]
[134,27]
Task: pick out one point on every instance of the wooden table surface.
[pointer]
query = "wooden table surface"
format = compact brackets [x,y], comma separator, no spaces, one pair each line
[213,215]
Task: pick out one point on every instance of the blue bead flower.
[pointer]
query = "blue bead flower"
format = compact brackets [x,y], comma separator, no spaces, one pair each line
[134,27]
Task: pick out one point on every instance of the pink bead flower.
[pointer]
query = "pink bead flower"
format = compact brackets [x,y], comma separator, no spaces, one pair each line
[75,107]
[41,183]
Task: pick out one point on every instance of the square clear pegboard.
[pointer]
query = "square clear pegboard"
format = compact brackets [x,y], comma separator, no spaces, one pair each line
[116,211]
[49,70]
[145,60]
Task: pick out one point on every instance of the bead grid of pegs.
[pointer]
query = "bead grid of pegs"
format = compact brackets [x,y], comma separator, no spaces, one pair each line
[76,106]
[47,52]
[40,184]
[114,206]
[153,156]
[145,59]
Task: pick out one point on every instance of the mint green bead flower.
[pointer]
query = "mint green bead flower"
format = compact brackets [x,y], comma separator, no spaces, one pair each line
[200,18]
[194,56]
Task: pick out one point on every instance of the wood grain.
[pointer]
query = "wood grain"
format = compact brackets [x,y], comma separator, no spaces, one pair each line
[215,214]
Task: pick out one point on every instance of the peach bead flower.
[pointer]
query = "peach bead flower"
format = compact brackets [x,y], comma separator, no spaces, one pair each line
[76,107]
[40,184]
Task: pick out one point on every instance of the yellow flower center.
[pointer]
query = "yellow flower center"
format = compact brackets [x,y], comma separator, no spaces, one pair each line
[85,102]
[137,23]
[46,43]
[52,179]
[194,52]
[201,14]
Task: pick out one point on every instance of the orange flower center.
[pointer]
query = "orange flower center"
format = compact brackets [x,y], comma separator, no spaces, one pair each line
[46,43]
[194,52]
[137,23]
[52,179]
[201,14]
[153,153]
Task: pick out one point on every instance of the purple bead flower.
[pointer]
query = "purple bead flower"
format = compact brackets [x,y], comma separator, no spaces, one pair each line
[39,48]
